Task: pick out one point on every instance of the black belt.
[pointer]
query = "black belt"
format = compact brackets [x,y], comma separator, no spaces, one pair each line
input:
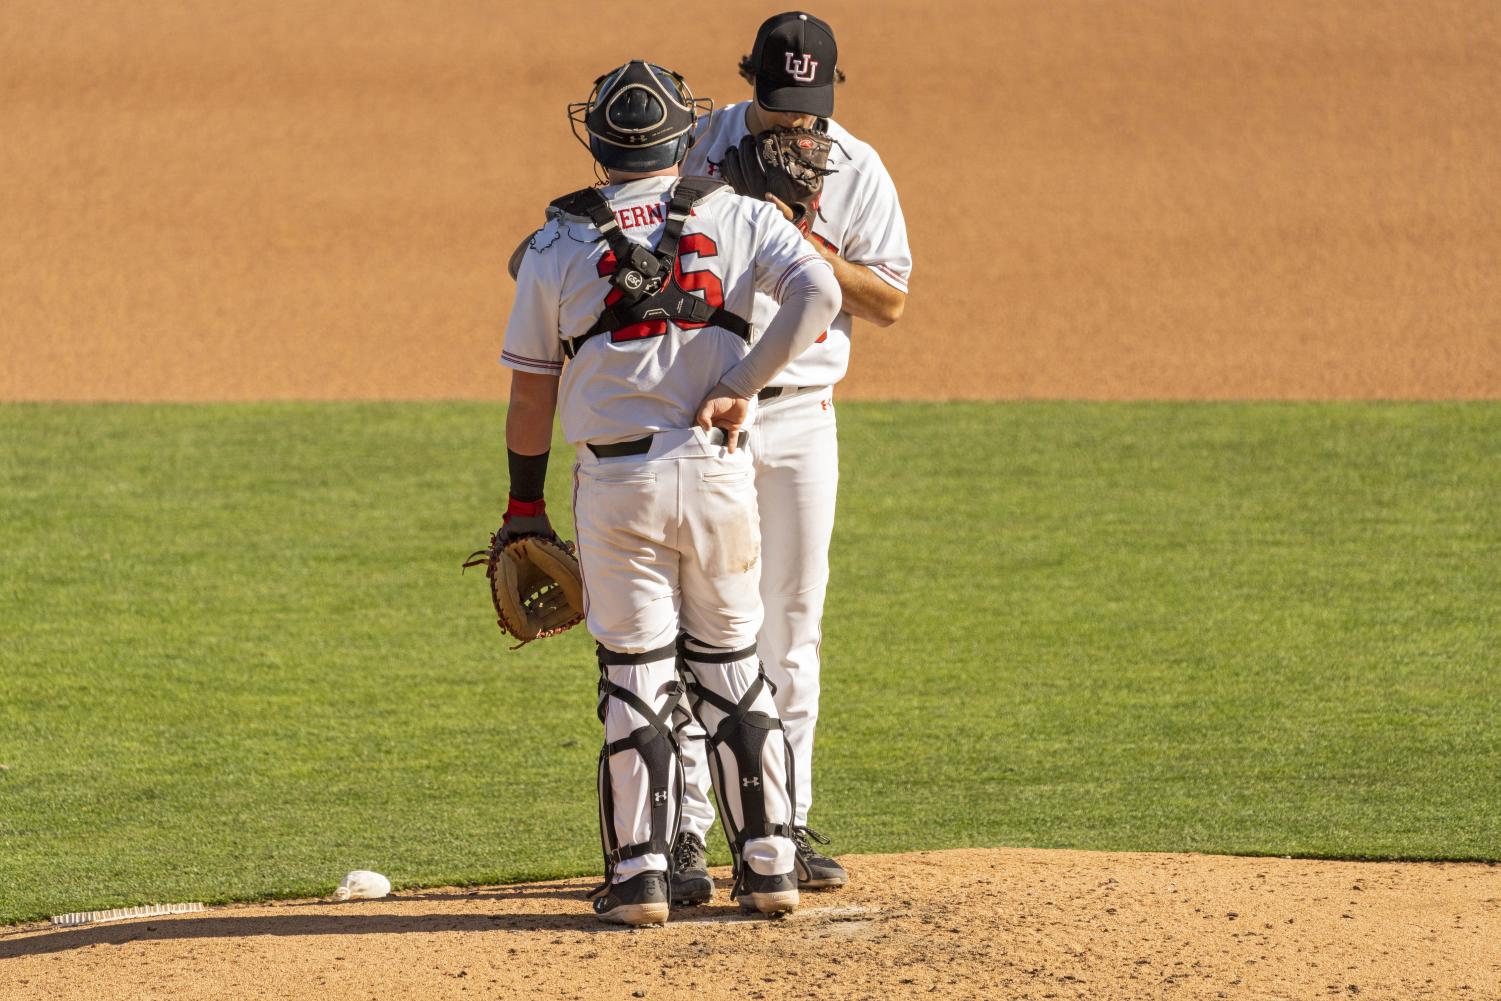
[772,392]
[640,446]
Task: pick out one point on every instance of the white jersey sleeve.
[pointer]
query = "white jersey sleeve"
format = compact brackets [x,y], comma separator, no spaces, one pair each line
[532,339]
[780,250]
[877,231]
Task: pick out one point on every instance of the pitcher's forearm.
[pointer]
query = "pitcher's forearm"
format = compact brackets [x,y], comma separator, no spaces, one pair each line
[866,297]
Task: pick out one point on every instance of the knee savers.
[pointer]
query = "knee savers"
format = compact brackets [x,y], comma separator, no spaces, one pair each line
[650,802]
[731,696]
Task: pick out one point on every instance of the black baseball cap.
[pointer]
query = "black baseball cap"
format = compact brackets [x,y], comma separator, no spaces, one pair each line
[793,60]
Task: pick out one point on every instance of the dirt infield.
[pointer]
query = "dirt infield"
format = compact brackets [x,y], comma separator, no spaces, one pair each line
[960,924]
[1161,198]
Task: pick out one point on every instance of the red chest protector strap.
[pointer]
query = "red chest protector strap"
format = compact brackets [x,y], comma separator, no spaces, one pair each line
[646,279]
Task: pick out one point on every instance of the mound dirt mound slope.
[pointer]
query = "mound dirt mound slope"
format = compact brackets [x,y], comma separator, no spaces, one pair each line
[955,924]
[1162,198]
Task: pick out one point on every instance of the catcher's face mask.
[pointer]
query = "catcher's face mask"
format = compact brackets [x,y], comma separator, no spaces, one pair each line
[638,118]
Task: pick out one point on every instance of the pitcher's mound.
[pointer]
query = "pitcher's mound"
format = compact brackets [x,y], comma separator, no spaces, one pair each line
[956,924]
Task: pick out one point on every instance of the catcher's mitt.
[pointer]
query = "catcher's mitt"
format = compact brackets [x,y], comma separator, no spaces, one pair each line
[535,584]
[788,163]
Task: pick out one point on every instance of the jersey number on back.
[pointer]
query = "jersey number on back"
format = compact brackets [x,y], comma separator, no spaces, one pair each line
[703,280]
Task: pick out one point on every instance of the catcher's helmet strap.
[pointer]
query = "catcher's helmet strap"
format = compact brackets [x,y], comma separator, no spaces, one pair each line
[647,280]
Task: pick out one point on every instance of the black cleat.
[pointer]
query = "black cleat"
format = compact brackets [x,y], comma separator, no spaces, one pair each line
[815,870]
[690,873]
[640,900]
[767,894]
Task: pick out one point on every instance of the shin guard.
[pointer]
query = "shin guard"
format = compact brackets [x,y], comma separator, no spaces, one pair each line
[755,801]
[657,799]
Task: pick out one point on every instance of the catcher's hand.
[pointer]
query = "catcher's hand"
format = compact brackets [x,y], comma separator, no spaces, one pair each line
[724,410]
[534,577]
[789,164]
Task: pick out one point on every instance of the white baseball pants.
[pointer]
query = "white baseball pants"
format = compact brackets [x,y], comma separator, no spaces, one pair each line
[669,543]
[796,450]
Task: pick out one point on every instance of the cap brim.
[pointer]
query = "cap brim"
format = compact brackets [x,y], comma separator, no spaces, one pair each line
[797,100]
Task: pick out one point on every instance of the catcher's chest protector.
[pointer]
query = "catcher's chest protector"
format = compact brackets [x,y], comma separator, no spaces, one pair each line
[647,280]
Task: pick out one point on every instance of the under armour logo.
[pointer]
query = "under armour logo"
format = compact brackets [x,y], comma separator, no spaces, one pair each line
[751,782]
[802,68]
[658,797]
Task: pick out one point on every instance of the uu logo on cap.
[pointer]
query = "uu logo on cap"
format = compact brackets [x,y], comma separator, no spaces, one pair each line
[802,68]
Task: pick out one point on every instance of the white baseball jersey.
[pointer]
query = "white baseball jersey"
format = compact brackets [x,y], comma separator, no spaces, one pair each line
[649,376]
[859,218]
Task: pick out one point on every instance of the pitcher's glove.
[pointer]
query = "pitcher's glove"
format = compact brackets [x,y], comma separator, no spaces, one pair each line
[534,576]
[788,163]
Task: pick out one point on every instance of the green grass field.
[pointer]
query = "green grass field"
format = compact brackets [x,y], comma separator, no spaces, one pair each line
[237,657]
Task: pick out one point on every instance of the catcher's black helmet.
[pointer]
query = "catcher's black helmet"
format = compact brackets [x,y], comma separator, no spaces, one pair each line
[638,118]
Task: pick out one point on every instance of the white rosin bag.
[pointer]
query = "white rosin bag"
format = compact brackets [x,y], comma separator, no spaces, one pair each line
[363,884]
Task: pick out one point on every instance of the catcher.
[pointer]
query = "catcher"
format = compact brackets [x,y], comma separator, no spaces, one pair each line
[629,322]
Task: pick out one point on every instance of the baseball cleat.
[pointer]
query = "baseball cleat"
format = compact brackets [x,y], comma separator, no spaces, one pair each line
[815,870]
[767,894]
[640,900]
[690,872]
